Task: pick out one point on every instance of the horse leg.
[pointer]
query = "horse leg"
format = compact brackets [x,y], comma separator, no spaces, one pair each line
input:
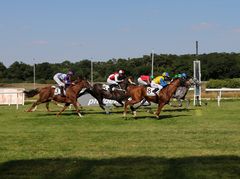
[131,103]
[75,104]
[179,103]
[34,106]
[160,106]
[101,104]
[47,105]
[141,104]
[120,102]
[188,103]
[125,109]
[100,101]
[63,109]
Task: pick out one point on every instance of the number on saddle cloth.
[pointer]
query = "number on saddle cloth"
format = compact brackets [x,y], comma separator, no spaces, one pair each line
[151,91]
[57,90]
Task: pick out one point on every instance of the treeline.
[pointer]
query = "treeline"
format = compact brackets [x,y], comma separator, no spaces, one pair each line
[213,66]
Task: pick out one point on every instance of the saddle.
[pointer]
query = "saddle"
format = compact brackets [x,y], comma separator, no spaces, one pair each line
[111,88]
[105,87]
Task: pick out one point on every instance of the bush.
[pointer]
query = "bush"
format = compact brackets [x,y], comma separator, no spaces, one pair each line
[227,83]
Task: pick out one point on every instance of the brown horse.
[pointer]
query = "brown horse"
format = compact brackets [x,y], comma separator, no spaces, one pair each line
[46,95]
[138,93]
[119,94]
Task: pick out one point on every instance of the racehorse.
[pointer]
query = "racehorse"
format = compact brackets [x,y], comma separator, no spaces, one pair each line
[46,95]
[100,91]
[182,91]
[138,93]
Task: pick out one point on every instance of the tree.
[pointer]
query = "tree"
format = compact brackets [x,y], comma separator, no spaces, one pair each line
[20,71]
[3,70]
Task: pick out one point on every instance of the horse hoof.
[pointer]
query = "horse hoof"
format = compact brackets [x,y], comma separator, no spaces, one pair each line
[124,114]
[80,115]
[134,113]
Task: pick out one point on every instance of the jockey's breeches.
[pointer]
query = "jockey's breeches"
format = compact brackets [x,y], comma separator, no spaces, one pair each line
[111,82]
[58,81]
[155,85]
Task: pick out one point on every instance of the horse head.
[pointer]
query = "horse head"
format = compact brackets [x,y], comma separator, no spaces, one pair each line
[191,81]
[82,83]
[126,82]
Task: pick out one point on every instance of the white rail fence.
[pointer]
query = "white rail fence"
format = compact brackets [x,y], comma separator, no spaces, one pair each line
[220,90]
[9,96]
[15,96]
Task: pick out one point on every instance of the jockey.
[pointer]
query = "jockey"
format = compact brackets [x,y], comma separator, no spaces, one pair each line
[115,78]
[144,80]
[180,75]
[159,82]
[63,80]
[184,75]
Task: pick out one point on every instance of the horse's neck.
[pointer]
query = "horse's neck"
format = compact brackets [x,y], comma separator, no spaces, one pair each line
[171,88]
[76,88]
[124,85]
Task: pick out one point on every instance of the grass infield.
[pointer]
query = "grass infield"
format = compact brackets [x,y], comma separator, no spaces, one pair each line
[200,142]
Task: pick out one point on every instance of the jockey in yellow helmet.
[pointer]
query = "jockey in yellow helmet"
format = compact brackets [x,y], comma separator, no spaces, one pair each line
[159,82]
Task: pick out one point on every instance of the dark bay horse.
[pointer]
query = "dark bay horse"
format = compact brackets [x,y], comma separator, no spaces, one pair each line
[99,92]
[46,95]
[138,93]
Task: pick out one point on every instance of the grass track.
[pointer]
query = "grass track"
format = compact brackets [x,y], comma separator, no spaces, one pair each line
[200,142]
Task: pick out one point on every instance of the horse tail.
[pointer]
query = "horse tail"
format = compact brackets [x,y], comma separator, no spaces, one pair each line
[31,93]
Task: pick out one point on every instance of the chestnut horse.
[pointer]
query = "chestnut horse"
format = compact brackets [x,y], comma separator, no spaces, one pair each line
[138,93]
[46,95]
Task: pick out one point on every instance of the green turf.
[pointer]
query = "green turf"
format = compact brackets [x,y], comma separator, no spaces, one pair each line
[200,142]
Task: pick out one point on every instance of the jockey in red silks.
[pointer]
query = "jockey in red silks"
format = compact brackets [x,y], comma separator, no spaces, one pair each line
[144,80]
[115,78]
[63,80]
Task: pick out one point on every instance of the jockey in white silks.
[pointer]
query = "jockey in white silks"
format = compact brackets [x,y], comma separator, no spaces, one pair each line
[63,80]
[114,78]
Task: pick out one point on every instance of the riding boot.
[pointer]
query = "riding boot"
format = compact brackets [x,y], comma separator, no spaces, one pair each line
[155,90]
[62,91]
[112,87]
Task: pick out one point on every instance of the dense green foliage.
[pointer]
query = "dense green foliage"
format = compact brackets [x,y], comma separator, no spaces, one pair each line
[213,66]
[195,143]
[228,83]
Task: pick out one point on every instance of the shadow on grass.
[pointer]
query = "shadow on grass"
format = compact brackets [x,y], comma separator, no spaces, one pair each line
[178,110]
[129,167]
[161,117]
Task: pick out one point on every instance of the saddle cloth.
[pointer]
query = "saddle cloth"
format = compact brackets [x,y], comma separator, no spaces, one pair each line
[57,90]
[150,91]
[105,87]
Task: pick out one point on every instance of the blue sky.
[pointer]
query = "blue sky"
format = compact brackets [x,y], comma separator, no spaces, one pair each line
[57,30]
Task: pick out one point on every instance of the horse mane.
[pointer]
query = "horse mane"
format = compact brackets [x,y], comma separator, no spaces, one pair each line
[170,84]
